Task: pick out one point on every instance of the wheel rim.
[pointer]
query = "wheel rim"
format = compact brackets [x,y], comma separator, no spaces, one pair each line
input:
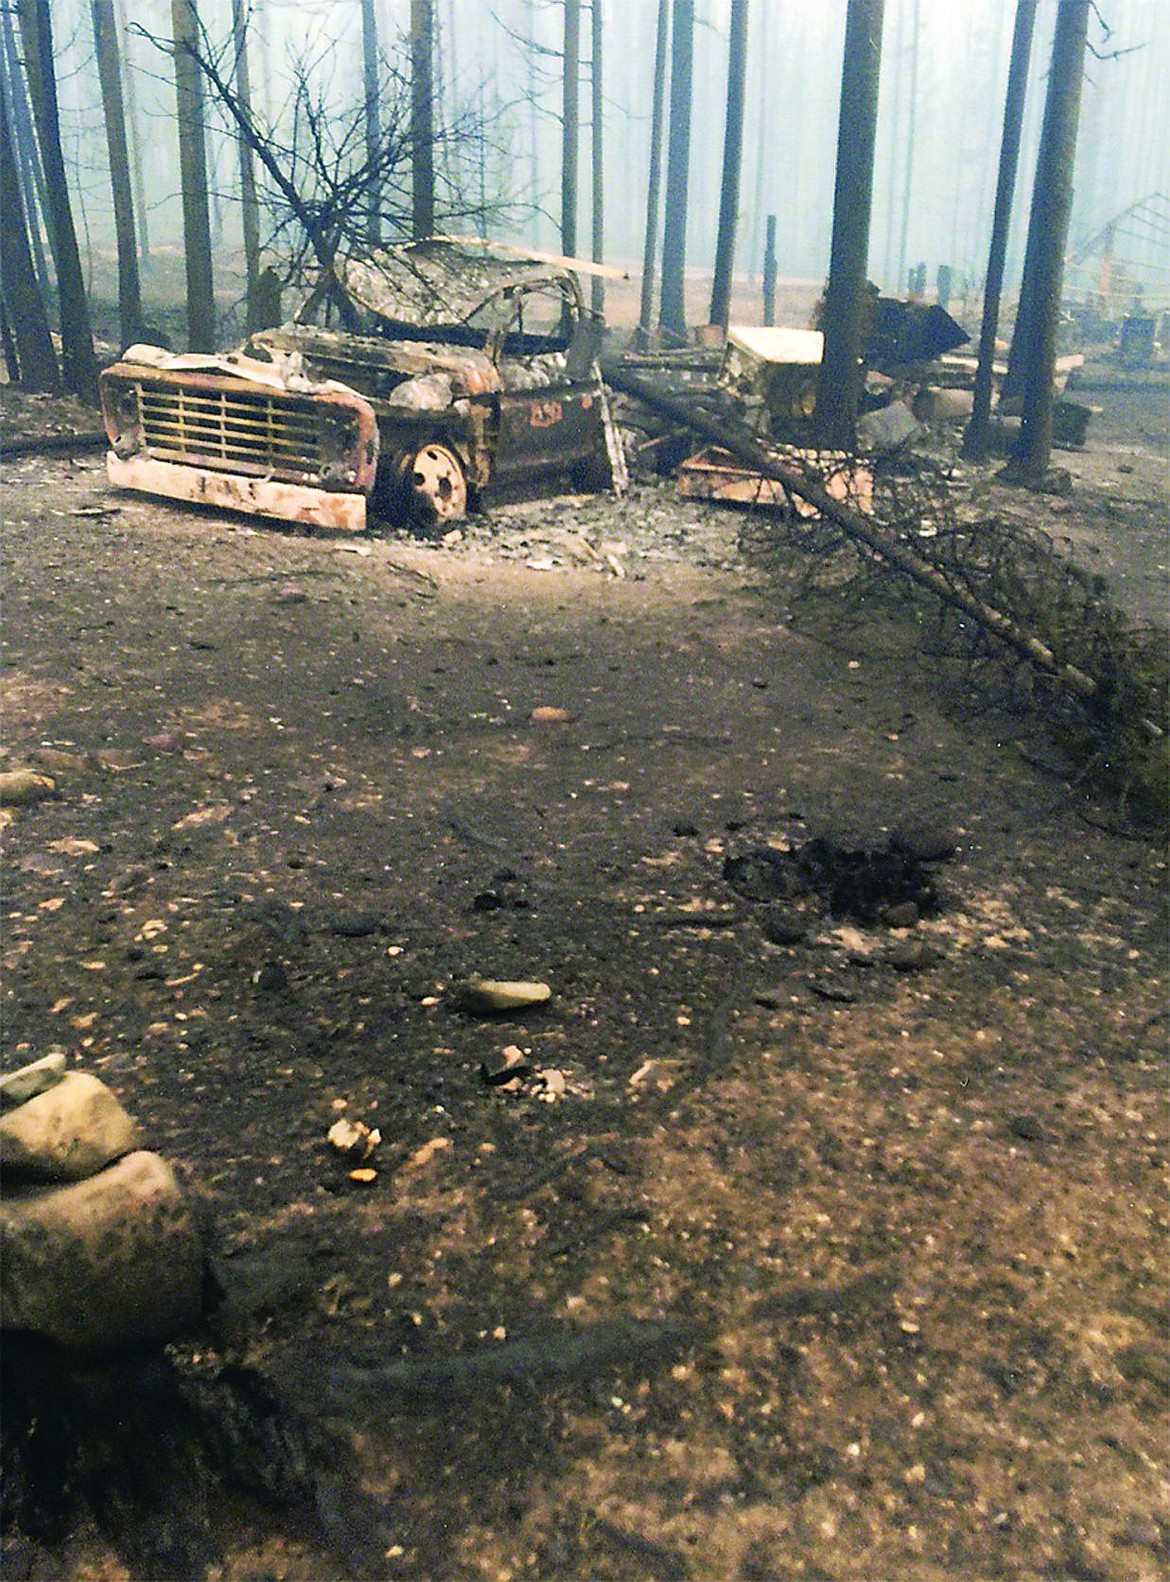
[438,489]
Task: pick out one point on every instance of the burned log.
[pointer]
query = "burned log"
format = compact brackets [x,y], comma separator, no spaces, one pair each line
[54,445]
[546,1359]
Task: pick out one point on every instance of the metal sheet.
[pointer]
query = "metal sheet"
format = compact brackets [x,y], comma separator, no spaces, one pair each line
[436,284]
[714,474]
[225,491]
[775,345]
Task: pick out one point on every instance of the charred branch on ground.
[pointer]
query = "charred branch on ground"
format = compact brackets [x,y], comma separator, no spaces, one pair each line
[1002,597]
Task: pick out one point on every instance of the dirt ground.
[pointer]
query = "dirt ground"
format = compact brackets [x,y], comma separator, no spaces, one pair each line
[803,1246]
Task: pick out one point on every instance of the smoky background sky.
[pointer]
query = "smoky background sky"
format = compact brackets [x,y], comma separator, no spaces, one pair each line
[944,70]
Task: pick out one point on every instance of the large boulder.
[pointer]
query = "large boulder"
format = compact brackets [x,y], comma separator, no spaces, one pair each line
[108,1264]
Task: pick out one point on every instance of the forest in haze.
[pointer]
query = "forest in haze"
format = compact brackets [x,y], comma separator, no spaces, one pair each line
[499,102]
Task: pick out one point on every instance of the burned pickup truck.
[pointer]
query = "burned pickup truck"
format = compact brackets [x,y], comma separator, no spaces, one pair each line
[415,382]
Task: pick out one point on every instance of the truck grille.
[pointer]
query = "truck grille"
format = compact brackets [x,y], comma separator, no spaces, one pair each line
[266,433]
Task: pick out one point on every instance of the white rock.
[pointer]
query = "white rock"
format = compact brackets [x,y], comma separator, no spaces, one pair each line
[490,994]
[16,1087]
[70,1131]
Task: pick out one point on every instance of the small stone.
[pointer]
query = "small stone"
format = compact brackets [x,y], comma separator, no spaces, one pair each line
[423,1156]
[501,1069]
[74,846]
[761,874]
[685,827]
[1027,1128]
[772,999]
[487,901]
[1057,481]
[545,714]
[117,759]
[39,1075]
[783,926]
[57,761]
[25,787]
[271,978]
[494,995]
[830,989]
[902,915]
[165,742]
[354,1139]
[129,880]
[66,1133]
[554,1084]
[354,925]
[910,955]
[924,841]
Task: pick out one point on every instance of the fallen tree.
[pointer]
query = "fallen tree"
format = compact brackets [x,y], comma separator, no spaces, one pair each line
[1123,703]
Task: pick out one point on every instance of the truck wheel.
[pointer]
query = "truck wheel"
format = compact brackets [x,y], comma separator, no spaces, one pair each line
[434,486]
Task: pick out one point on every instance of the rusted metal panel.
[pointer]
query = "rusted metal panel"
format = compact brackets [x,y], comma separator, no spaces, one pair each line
[774,344]
[375,366]
[447,281]
[559,261]
[956,368]
[309,432]
[550,430]
[715,474]
[907,335]
[225,491]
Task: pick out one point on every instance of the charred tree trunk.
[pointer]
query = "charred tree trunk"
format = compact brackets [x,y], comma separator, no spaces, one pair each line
[531,99]
[24,148]
[654,182]
[422,116]
[79,364]
[109,64]
[976,439]
[193,176]
[135,139]
[1047,237]
[673,312]
[597,150]
[769,282]
[249,203]
[839,385]
[374,112]
[911,117]
[732,160]
[570,126]
[25,322]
